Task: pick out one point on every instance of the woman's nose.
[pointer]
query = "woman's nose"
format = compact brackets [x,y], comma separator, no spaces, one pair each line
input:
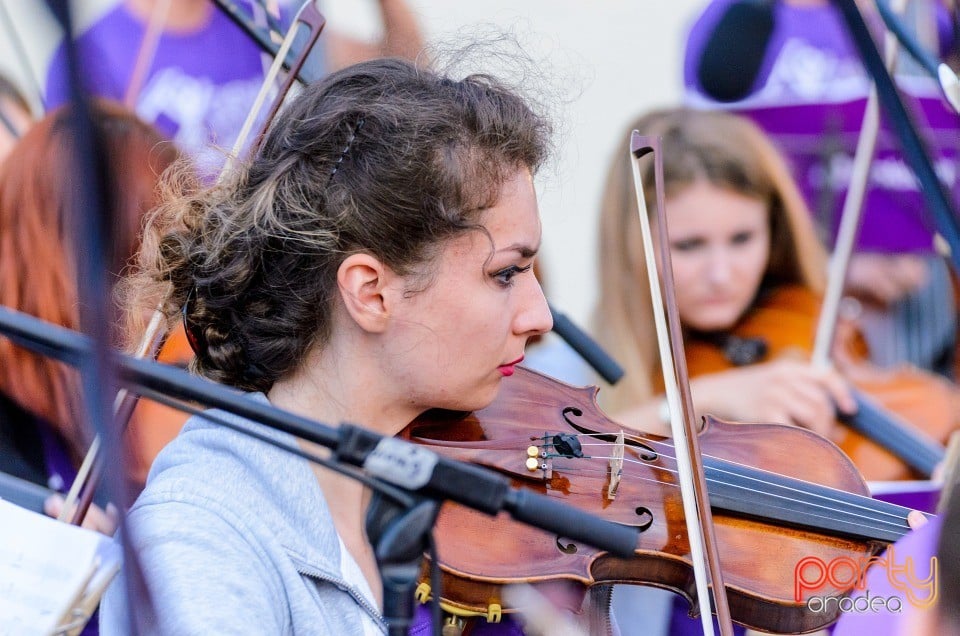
[534,317]
[719,266]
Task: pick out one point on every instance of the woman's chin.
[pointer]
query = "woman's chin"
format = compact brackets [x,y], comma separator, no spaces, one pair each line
[713,321]
[475,400]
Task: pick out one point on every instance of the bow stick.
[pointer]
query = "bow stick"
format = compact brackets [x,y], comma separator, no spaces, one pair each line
[693,487]
[934,193]
[900,438]
[80,495]
[147,52]
[851,213]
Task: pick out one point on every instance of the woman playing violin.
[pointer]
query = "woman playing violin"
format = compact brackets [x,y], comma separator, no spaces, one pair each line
[742,246]
[738,231]
[372,261]
[749,271]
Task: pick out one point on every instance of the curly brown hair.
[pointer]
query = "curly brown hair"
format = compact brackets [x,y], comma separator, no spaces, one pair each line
[383,157]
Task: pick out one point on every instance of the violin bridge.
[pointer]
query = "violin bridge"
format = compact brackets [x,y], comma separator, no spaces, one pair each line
[616,467]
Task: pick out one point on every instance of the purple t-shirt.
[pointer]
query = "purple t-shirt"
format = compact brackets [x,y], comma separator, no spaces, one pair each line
[810,96]
[198,89]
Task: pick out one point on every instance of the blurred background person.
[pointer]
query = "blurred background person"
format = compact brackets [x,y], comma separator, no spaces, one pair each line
[748,272]
[189,70]
[42,435]
[800,77]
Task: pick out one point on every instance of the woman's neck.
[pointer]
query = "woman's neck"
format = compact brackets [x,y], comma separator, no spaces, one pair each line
[345,382]
[332,388]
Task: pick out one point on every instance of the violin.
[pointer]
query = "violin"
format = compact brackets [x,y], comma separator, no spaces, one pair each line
[775,490]
[152,425]
[917,408]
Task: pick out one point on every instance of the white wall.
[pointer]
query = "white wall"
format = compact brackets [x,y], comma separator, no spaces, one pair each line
[620,57]
[608,60]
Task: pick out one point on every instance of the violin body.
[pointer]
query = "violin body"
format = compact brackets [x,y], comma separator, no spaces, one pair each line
[479,554]
[152,425]
[786,320]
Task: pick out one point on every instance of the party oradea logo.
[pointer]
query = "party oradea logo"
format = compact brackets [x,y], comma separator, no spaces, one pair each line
[910,583]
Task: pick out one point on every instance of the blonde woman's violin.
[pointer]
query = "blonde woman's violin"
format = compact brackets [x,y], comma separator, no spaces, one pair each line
[904,414]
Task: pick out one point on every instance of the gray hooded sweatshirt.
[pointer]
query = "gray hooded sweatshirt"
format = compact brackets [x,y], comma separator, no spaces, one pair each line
[234,537]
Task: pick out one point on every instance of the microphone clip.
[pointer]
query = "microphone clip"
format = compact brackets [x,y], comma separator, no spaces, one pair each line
[400,535]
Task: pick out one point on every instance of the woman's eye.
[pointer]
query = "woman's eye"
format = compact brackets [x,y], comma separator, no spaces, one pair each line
[741,238]
[686,245]
[505,275]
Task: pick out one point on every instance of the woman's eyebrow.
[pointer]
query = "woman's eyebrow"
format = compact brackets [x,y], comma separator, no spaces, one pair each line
[525,250]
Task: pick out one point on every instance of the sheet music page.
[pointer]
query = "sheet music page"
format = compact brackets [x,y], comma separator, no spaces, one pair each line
[45,567]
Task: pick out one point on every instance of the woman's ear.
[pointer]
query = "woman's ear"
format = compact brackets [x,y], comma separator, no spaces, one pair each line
[363,281]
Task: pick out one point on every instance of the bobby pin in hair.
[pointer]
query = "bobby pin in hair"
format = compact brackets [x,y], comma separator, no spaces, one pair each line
[346,149]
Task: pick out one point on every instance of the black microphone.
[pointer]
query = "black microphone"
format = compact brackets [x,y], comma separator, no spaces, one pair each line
[731,58]
[588,348]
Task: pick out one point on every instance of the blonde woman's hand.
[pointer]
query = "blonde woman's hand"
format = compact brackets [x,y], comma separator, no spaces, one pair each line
[784,391]
[883,279]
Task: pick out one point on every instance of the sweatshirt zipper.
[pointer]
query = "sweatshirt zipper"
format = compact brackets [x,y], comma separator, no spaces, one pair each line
[360,599]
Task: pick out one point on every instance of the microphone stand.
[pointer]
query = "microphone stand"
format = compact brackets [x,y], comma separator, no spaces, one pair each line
[400,537]
[407,467]
[943,74]
[914,152]
[92,225]
[587,347]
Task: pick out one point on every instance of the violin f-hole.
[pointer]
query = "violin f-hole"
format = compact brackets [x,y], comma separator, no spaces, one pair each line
[647,518]
[568,410]
[570,548]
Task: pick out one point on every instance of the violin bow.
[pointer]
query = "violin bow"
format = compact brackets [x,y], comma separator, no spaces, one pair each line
[80,495]
[309,16]
[938,202]
[900,438]
[147,52]
[852,210]
[690,471]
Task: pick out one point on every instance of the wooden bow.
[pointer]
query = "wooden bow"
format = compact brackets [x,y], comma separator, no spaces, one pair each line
[693,487]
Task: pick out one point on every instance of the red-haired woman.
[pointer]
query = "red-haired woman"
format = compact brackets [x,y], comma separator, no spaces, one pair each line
[42,436]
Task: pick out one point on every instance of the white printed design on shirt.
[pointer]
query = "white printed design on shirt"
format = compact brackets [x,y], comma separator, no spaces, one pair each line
[208,116]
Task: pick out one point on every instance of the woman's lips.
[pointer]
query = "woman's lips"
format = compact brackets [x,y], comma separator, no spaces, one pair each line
[507,369]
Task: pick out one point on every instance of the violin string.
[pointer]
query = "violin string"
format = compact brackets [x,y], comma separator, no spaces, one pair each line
[842,497]
[739,487]
[880,524]
[770,517]
[873,512]
[844,505]
[845,498]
